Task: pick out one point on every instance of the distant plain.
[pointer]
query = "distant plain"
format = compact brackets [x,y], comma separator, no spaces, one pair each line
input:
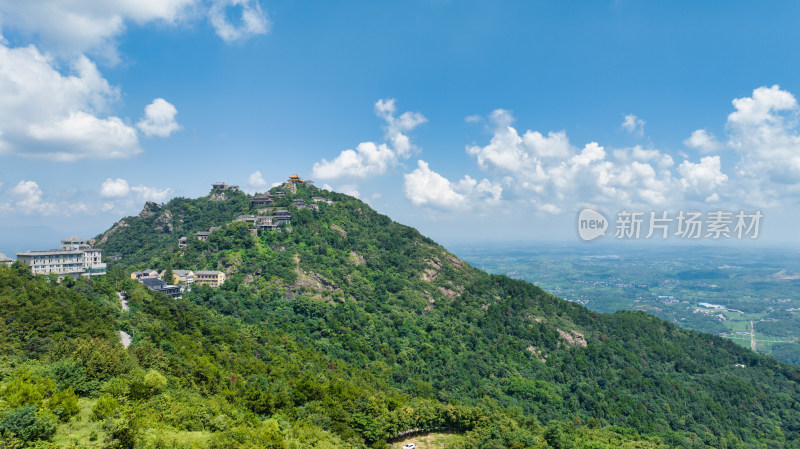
[713,289]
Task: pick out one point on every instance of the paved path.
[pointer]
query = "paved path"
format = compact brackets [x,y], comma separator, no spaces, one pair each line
[123,301]
[125,339]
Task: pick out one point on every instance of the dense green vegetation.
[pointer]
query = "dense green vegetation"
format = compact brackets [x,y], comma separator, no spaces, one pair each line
[715,289]
[346,328]
[195,378]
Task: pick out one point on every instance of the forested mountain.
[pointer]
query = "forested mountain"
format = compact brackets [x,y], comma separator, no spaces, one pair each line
[344,328]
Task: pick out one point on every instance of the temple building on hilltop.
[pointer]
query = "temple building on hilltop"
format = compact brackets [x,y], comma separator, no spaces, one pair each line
[221,186]
[262,200]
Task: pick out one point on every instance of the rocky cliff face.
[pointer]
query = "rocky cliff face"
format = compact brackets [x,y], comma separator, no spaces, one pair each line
[122,224]
[164,223]
[149,209]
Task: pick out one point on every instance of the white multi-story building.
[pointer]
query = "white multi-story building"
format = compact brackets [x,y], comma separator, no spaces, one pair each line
[75,257]
[5,260]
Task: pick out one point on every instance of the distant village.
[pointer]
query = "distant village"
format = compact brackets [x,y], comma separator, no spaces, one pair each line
[76,257]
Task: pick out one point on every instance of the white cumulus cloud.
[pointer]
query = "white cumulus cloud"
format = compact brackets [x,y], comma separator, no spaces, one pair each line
[637,153]
[371,158]
[543,170]
[54,103]
[703,178]
[114,188]
[510,153]
[703,141]
[763,130]
[45,114]
[633,124]
[396,127]
[546,171]
[367,159]
[159,119]
[251,21]
[153,193]
[74,27]
[256,181]
[556,144]
[425,187]
[70,28]
[27,198]
[763,106]
[120,188]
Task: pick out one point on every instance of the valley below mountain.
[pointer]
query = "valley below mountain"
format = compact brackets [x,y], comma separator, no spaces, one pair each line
[747,294]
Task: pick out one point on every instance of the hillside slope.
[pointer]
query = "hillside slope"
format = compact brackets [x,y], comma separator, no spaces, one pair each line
[355,325]
[362,289]
[194,378]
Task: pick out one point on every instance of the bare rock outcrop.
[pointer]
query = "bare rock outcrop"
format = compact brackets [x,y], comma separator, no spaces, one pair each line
[122,224]
[537,353]
[150,208]
[573,338]
[356,259]
[457,263]
[337,228]
[447,292]
[164,223]
[312,281]
[430,273]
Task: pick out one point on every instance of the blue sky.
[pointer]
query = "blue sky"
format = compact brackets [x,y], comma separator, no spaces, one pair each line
[471,121]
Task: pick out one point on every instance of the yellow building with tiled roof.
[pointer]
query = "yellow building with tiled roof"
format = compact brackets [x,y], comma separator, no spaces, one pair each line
[212,278]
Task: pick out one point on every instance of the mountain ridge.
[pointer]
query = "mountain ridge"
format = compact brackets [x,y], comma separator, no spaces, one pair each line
[344,318]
